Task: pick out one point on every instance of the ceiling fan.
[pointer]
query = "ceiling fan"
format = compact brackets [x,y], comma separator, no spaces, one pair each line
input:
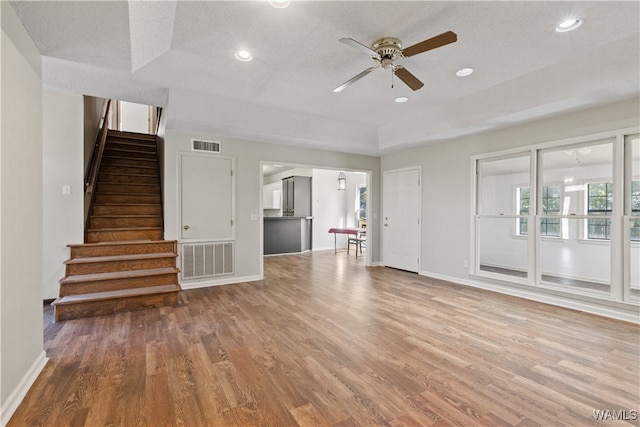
[386,50]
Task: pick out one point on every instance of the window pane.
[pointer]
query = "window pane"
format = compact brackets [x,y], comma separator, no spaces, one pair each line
[568,172]
[574,264]
[634,258]
[498,180]
[632,207]
[499,251]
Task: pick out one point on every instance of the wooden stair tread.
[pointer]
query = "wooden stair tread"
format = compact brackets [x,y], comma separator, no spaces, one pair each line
[107,295]
[111,193]
[131,135]
[124,242]
[142,205]
[124,229]
[112,258]
[137,175]
[129,274]
[126,216]
[128,158]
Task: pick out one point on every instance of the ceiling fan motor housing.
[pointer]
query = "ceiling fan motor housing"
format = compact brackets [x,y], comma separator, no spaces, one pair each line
[389,48]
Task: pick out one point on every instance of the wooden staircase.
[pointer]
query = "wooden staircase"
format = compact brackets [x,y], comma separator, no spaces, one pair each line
[124,264]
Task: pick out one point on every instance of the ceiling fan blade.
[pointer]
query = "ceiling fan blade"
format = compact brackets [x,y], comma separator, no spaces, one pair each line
[357,45]
[432,43]
[353,79]
[408,78]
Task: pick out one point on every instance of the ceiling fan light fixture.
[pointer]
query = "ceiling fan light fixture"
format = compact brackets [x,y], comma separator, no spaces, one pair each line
[568,25]
[243,55]
[464,72]
[401,99]
[280,4]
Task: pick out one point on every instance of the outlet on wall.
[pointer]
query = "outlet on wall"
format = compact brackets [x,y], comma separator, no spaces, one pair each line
[465,264]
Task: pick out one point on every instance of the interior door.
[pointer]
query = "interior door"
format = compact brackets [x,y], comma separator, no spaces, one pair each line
[206,194]
[401,219]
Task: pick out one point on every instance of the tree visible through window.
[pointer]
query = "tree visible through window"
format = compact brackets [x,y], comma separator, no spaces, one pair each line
[599,202]
[635,210]
[551,201]
[362,203]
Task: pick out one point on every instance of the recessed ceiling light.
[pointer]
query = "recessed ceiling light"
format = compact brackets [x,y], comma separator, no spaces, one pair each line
[401,99]
[243,55]
[463,72]
[280,4]
[568,25]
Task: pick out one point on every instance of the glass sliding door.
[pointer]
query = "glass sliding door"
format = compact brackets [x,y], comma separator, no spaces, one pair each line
[632,218]
[503,217]
[574,215]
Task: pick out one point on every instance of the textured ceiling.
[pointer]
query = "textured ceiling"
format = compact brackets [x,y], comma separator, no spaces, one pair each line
[180,55]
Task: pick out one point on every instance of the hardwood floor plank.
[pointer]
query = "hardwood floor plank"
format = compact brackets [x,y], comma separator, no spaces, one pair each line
[322,340]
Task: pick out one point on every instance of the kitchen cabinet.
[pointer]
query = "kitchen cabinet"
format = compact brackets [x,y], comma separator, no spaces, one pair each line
[286,235]
[296,196]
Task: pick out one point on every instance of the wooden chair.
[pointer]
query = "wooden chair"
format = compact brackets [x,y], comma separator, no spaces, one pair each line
[359,241]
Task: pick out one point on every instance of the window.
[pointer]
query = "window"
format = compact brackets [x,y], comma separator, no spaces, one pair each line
[551,201]
[635,210]
[599,202]
[361,203]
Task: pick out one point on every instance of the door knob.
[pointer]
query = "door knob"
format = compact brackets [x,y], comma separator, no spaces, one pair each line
[186,227]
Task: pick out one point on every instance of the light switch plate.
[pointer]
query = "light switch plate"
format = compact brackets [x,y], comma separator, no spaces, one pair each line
[66,189]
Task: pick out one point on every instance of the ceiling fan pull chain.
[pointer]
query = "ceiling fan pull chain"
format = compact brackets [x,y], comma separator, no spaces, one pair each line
[393,73]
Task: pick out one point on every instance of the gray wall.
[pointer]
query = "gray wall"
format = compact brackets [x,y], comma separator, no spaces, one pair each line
[21,340]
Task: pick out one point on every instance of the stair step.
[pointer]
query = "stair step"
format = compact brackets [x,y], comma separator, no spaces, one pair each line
[126,209]
[129,153]
[127,178]
[128,188]
[128,161]
[124,144]
[117,280]
[110,302]
[125,198]
[116,221]
[123,234]
[112,263]
[122,248]
[131,135]
[130,169]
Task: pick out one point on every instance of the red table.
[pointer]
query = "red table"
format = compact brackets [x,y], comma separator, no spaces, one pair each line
[347,230]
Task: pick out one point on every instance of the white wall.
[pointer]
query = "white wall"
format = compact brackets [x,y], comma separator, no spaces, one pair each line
[249,189]
[446,177]
[62,164]
[21,341]
[134,117]
[329,207]
[92,114]
[333,207]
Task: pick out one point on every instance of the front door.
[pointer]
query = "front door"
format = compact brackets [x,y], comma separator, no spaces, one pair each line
[401,219]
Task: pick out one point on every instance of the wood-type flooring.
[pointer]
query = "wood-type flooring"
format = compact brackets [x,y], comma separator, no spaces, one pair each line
[324,341]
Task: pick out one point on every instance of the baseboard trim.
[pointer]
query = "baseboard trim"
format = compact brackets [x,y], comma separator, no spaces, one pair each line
[219,282]
[629,313]
[16,396]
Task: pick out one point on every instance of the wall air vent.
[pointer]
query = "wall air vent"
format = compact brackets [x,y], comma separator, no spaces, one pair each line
[206,146]
[207,260]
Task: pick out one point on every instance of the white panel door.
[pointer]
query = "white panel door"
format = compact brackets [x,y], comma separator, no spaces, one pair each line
[206,195]
[401,219]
